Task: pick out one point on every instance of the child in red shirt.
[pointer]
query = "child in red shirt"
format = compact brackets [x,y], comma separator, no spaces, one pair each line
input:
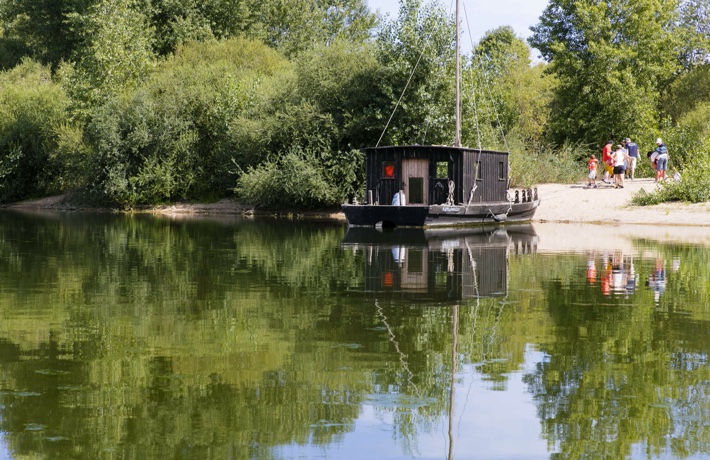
[592,167]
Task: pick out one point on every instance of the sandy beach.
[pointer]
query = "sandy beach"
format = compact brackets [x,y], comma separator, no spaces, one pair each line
[576,203]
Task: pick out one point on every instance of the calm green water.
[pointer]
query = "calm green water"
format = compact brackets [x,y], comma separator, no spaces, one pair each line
[145,338]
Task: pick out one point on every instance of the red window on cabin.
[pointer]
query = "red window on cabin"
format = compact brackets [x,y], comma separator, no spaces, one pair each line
[388,170]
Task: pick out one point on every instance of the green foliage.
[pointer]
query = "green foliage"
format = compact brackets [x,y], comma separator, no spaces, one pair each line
[694,188]
[32,110]
[300,179]
[340,80]
[695,32]
[688,139]
[180,21]
[113,54]
[140,153]
[687,91]
[293,26]
[542,163]
[504,98]
[419,44]
[38,29]
[689,148]
[174,137]
[612,59]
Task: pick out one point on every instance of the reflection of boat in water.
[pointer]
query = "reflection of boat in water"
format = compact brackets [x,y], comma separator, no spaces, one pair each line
[443,267]
[439,264]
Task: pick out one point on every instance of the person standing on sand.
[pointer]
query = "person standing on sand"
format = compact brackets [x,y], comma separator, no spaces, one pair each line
[661,160]
[592,168]
[633,151]
[619,157]
[608,162]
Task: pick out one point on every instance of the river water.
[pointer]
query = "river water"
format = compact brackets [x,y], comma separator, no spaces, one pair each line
[138,337]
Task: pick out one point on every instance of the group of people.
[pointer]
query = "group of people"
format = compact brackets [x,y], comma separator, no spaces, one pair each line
[620,162]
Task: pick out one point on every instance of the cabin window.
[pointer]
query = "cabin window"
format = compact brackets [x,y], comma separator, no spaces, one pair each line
[415,261]
[479,173]
[501,170]
[416,190]
[442,169]
[388,170]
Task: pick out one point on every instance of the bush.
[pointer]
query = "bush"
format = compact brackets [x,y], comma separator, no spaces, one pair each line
[297,180]
[177,136]
[694,186]
[545,164]
[689,148]
[32,110]
[142,153]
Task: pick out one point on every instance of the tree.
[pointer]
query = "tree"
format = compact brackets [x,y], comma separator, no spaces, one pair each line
[612,59]
[292,26]
[38,29]
[417,54]
[695,32]
[688,90]
[509,95]
[115,52]
[177,135]
[32,112]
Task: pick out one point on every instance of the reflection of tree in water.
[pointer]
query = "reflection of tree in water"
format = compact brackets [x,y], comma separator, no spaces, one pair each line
[156,339]
[622,377]
[419,385]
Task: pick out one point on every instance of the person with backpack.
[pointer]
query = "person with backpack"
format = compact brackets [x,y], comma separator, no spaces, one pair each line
[632,149]
[661,160]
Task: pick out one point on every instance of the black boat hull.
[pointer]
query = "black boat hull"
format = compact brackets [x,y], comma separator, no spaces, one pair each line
[439,215]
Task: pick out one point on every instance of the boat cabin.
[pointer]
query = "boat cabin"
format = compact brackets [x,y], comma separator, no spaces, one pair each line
[424,175]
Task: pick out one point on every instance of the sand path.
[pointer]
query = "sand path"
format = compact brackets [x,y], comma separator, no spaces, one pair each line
[577,203]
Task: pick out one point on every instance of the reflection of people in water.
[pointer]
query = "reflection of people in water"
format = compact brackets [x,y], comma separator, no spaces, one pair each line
[657,280]
[605,281]
[631,278]
[591,269]
[618,274]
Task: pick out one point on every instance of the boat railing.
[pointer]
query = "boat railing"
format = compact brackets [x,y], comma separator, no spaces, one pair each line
[525,195]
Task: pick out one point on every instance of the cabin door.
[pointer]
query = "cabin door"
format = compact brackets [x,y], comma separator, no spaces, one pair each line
[415,175]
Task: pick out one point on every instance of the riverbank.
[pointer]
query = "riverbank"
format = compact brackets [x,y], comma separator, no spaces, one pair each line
[561,203]
[576,203]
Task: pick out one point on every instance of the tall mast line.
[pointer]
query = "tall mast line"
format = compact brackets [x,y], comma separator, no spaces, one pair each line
[457,138]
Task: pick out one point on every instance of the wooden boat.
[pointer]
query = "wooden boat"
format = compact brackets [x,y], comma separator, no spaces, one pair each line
[432,185]
[435,185]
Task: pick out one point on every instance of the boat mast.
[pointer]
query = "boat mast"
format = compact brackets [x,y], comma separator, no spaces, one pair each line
[452,397]
[457,138]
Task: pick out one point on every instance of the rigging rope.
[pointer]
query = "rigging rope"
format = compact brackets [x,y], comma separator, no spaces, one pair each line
[393,339]
[486,84]
[426,43]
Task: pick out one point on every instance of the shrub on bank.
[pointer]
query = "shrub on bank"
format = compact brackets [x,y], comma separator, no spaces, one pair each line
[694,186]
[32,112]
[300,179]
[541,164]
[689,148]
[176,137]
[295,181]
